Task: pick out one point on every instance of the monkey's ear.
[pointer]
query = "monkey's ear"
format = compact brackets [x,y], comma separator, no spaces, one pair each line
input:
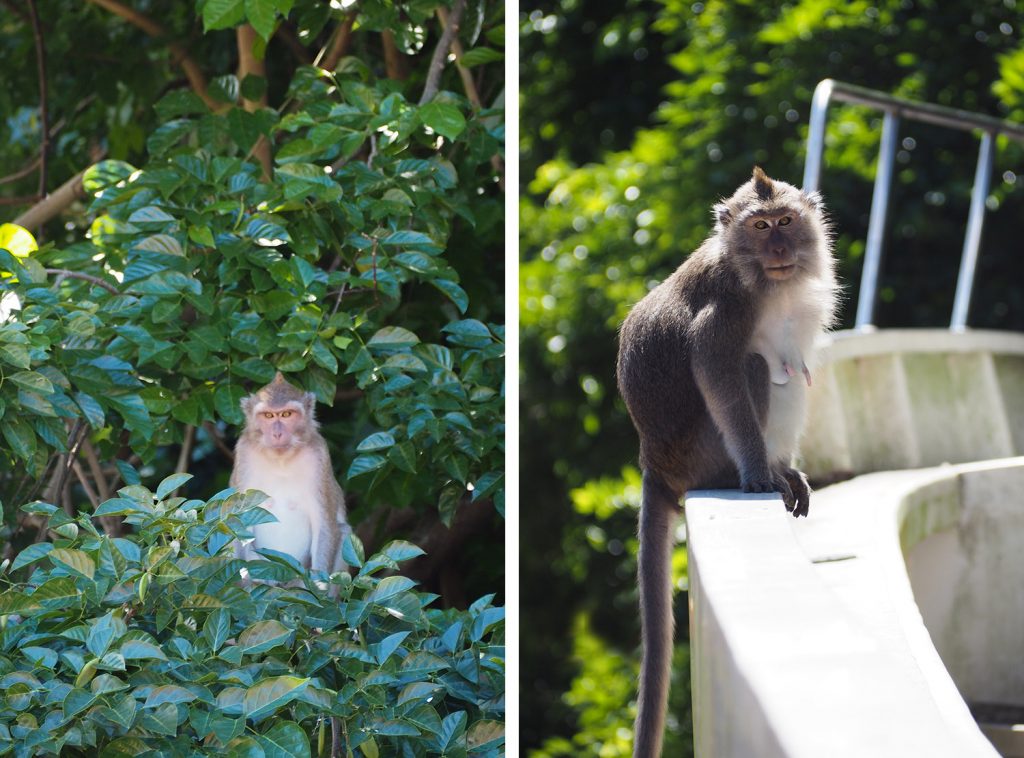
[309,404]
[723,216]
[247,405]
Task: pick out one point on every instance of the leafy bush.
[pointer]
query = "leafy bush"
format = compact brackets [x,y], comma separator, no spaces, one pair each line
[137,647]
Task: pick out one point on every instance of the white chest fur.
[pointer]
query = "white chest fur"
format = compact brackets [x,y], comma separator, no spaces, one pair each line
[295,498]
[789,324]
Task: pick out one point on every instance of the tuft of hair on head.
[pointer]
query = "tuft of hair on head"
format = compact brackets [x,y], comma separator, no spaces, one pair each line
[764,188]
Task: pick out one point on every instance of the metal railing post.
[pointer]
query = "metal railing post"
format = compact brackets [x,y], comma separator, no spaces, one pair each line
[816,135]
[972,239]
[876,224]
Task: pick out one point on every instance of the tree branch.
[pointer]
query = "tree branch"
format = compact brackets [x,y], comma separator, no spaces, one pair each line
[394,61]
[44,113]
[467,78]
[437,60]
[248,64]
[53,203]
[218,441]
[186,450]
[64,273]
[180,56]
[338,46]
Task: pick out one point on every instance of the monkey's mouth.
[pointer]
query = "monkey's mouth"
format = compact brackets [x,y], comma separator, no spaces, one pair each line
[780,272]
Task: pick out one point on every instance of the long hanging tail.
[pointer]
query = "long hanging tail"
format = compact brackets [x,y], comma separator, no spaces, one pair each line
[658,509]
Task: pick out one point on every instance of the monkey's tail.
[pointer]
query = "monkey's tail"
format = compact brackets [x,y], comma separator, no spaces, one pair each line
[658,510]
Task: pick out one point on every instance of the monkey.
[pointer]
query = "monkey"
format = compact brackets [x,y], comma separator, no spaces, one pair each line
[708,364]
[282,454]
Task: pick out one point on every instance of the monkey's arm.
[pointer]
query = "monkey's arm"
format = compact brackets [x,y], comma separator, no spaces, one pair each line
[325,551]
[721,371]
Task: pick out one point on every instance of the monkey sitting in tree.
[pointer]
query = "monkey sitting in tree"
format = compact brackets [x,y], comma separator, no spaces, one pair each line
[282,454]
[708,365]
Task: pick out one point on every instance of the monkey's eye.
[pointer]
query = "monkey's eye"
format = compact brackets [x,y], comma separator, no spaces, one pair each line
[784,220]
[760,224]
[285,414]
[268,414]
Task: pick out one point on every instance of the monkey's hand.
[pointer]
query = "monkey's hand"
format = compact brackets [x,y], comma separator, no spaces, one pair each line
[800,501]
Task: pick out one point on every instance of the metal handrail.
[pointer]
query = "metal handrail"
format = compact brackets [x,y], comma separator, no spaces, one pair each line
[894,109]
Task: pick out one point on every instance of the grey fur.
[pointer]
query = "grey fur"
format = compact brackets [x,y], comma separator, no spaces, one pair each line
[700,395]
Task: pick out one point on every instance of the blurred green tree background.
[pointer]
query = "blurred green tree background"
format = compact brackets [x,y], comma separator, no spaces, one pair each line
[636,117]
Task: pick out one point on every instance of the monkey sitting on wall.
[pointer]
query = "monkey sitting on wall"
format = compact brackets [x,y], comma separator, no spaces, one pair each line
[707,366]
[282,454]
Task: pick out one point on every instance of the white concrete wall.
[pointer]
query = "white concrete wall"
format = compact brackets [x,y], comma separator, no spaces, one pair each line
[807,641]
[906,398]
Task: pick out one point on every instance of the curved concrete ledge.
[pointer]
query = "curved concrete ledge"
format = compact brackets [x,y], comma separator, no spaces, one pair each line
[905,398]
[807,640]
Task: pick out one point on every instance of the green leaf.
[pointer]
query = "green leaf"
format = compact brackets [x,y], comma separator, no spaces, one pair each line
[261,14]
[407,238]
[377,441]
[169,693]
[480,55]
[391,337]
[106,174]
[74,560]
[227,399]
[126,747]
[161,243]
[150,214]
[262,636]
[269,695]
[17,240]
[454,292]
[16,355]
[167,136]
[469,332]
[400,550]
[19,436]
[450,498]
[134,650]
[388,587]
[417,691]
[443,118]
[40,656]
[217,628]
[222,14]
[171,483]
[91,409]
[485,734]
[286,739]
[352,550]
[386,647]
[32,380]
[364,464]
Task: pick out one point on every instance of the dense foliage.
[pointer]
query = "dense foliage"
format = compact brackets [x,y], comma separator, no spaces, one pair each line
[148,646]
[264,185]
[606,216]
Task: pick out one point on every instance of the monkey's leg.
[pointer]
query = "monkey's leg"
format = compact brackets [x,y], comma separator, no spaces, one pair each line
[658,509]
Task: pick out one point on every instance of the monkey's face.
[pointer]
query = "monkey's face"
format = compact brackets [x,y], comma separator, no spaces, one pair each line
[772,231]
[776,242]
[280,428]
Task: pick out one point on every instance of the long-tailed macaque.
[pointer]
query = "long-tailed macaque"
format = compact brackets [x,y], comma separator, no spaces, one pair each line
[709,365]
[281,453]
